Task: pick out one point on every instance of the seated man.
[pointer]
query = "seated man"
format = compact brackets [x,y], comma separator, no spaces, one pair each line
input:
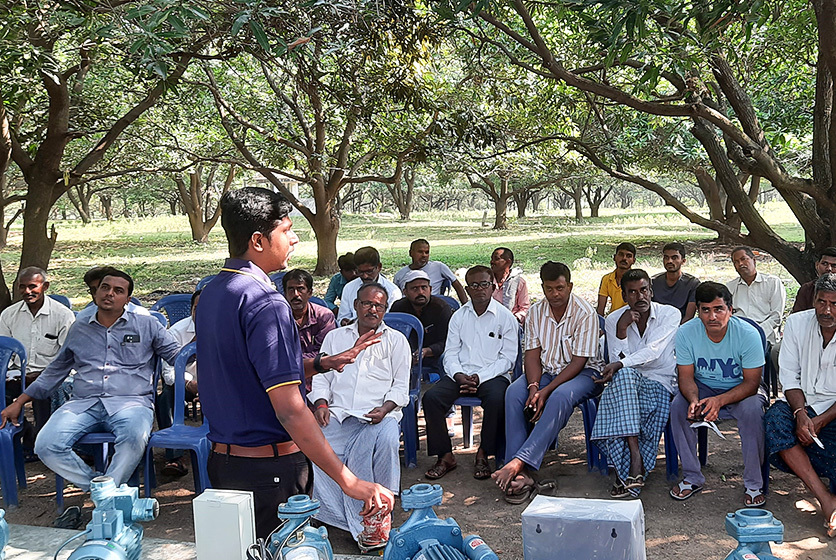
[808,375]
[41,324]
[610,289]
[804,299]
[313,321]
[438,272]
[756,295]
[719,361]
[347,273]
[674,287]
[184,333]
[433,312]
[92,278]
[481,349]
[368,264]
[511,289]
[635,405]
[561,364]
[359,411]
[111,352]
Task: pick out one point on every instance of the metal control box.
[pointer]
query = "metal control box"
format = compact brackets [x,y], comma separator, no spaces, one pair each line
[224,524]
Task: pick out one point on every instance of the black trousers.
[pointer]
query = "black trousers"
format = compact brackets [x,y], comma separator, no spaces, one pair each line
[438,400]
[272,481]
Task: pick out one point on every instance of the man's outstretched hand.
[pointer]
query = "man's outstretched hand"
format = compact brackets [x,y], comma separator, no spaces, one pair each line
[339,361]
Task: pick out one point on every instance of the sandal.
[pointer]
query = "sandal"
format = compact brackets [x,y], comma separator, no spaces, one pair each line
[830,526]
[618,491]
[482,470]
[754,498]
[677,491]
[439,470]
[634,482]
[546,487]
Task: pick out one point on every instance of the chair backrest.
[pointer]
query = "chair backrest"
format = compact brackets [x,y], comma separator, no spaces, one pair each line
[8,347]
[160,317]
[318,301]
[180,364]
[409,324]
[518,365]
[605,348]
[276,278]
[174,306]
[766,355]
[203,281]
[451,302]
[444,289]
[64,300]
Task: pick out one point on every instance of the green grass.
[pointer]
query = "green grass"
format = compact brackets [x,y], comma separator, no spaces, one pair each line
[160,255]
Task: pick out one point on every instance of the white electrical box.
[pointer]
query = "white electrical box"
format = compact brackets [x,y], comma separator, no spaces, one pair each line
[224,524]
[583,529]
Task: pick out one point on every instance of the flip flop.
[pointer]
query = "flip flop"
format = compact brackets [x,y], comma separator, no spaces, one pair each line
[439,470]
[676,491]
[634,482]
[750,498]
[482,469]
[830,526]
[546,487]
[618,491]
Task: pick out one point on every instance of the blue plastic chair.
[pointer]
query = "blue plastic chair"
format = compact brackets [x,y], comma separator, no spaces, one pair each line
[595,458]
[409,324]
[203,281]
[451,302]
[174,306]
[179,435]
[63,300]
[444,289]
[276,278]
[318,301]
[11,450]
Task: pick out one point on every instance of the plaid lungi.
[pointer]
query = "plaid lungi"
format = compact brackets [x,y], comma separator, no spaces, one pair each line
[631,405]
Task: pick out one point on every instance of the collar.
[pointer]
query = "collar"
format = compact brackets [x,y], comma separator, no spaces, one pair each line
[570,305]
[247,268]
[758,279]
[492,305]
[44,310]
[310,319]
[355,328]
[123,317]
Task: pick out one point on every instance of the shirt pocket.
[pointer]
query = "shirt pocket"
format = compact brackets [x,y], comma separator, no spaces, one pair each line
[133,354]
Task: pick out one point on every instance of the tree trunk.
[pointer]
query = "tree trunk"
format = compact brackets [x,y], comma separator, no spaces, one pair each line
[107,206]
[172,206]
[5,295]
[37,243]
[80,203]
[501,212]
[326,228]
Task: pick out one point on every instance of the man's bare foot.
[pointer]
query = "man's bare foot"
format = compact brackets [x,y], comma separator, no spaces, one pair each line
[504,476]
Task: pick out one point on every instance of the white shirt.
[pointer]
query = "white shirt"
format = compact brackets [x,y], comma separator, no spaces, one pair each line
[763,301]
[652,354]
[350,294]
[183,332]
[437,271]
[379,374]
[805,364]
[485,344]
[42,335]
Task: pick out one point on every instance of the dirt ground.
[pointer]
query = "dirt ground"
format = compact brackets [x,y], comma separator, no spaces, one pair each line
[693,529]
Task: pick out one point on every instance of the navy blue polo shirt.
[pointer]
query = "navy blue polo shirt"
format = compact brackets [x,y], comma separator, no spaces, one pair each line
[247,344]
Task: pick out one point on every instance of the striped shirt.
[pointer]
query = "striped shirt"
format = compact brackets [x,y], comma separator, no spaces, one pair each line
[577,334]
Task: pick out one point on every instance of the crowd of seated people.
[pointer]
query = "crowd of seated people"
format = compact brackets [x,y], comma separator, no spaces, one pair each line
[679,353]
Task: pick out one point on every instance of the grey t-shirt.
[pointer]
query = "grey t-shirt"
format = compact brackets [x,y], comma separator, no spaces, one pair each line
[679,295]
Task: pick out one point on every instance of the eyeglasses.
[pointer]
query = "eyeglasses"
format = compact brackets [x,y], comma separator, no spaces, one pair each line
[373,305]
[480,285]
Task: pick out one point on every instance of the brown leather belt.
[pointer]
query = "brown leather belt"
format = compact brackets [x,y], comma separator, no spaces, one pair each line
[269,450]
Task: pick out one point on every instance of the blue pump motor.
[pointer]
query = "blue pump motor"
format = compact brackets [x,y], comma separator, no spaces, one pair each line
[4,534]
[295,539]
[113,533]
[753,529]
[426,537]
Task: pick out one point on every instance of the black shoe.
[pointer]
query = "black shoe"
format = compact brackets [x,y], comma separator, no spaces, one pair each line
[70,519]
[175,468]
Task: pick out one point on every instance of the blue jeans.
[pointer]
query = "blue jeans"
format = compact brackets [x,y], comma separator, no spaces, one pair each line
[131,426]
[530,448]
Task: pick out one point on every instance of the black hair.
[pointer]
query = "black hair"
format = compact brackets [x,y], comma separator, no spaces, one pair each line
[298,274]
[551,271]
[121,274]
[96,274]
[507,253]
[626,246]
[250,210]
[346,262]
[366,255]
[828,252]
[418,242]
[633,275]
[478,269]
[675,246]
[372,285]
[744,248]
[709,291]
[195,295]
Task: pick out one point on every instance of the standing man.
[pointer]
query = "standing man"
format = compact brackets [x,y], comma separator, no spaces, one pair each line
[674,287]
[561,364]
[367,260]
[251,370]
[433,312]
[808,410]
[805,297]
[438,272]
[719,360]
[511,288]
[359,410]
[610,289]
[758,296]
[481,349]
[41,324]
[641,373]
[313,321]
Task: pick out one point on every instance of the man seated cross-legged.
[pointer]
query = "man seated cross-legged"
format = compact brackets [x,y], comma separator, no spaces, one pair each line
[641,374]
[481,348]
[800,429]
[561,364]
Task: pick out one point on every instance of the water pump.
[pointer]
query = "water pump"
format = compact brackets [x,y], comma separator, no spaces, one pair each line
[426,537]
[295,539]
[753,529]
[113,533]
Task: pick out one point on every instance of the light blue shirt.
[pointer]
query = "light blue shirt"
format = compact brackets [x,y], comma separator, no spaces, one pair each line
[113,365]
[719,365]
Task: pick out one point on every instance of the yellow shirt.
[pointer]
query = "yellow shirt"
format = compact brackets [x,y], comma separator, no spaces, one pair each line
[611,289]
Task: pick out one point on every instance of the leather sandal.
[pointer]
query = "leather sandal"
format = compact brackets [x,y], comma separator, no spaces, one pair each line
[440,469]
[482,469]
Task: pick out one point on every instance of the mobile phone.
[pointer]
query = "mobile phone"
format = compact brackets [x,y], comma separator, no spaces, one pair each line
[528,414]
